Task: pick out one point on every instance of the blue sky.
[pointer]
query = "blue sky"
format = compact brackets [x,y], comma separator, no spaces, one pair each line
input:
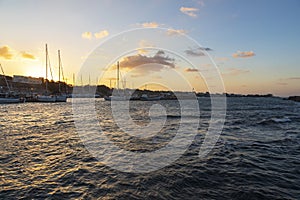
[267,31]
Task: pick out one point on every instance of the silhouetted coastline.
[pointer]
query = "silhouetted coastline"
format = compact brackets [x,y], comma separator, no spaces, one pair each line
[30,89]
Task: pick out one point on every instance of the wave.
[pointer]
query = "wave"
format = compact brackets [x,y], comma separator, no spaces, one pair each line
[275,120]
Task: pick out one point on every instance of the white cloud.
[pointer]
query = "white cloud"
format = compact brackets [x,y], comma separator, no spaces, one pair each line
[172,32]
[144,44]
[150,25]
[101,34]
[87,35]
[189,11]
[243,54]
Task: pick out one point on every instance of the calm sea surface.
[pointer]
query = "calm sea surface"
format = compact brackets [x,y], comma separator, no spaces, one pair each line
[256,157]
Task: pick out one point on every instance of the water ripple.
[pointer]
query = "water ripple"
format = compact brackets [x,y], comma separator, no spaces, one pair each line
[256,157]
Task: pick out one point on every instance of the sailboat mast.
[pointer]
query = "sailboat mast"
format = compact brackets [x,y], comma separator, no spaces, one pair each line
[73,80]
[59,66]
[46,68]
[5,78]
[89,82]
[118,74]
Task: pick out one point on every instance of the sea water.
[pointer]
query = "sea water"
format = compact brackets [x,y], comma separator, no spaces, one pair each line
[257,155]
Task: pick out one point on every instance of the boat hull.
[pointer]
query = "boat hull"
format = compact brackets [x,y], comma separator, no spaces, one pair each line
[116,98]
[9,100]
[150,98]
[46,98]
[61,98]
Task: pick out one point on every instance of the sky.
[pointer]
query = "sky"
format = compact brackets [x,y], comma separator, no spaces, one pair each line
[253,45]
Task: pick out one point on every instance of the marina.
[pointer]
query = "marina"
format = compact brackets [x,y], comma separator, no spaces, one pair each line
[149,100]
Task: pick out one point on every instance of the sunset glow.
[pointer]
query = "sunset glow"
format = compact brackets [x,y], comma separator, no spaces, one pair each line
[255,52]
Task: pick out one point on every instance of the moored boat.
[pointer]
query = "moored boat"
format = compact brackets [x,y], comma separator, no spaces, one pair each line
[61,98]
[46,98]
[5,100]
[8,97]
[118,97]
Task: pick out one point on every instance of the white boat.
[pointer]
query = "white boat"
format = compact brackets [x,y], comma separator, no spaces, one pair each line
[46,97]
[4,100]
[7,97]
[61,98]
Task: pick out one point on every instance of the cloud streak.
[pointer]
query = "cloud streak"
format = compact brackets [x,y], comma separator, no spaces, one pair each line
[5,53]
[243,54]
[87,35]
[197,52]
[150,25]
[101,34]
[28,56]
[174,32]
[191,70]
[189,11]
[143,44]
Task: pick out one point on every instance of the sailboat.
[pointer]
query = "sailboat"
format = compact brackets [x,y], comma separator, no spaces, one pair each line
[46,97]
[118,97]
[7,97]
[60,97]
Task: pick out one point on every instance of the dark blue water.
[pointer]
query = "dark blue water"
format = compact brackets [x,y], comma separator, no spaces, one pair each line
[256,157]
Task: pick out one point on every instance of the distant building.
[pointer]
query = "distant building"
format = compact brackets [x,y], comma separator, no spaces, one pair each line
[27,80]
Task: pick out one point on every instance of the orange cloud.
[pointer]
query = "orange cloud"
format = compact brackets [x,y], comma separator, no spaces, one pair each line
[101,34]
[28,56]
[243,54]
[144,65]
[5,53]
[87,35]
[189,11]
[150,25]
[144,44]
[172,32]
